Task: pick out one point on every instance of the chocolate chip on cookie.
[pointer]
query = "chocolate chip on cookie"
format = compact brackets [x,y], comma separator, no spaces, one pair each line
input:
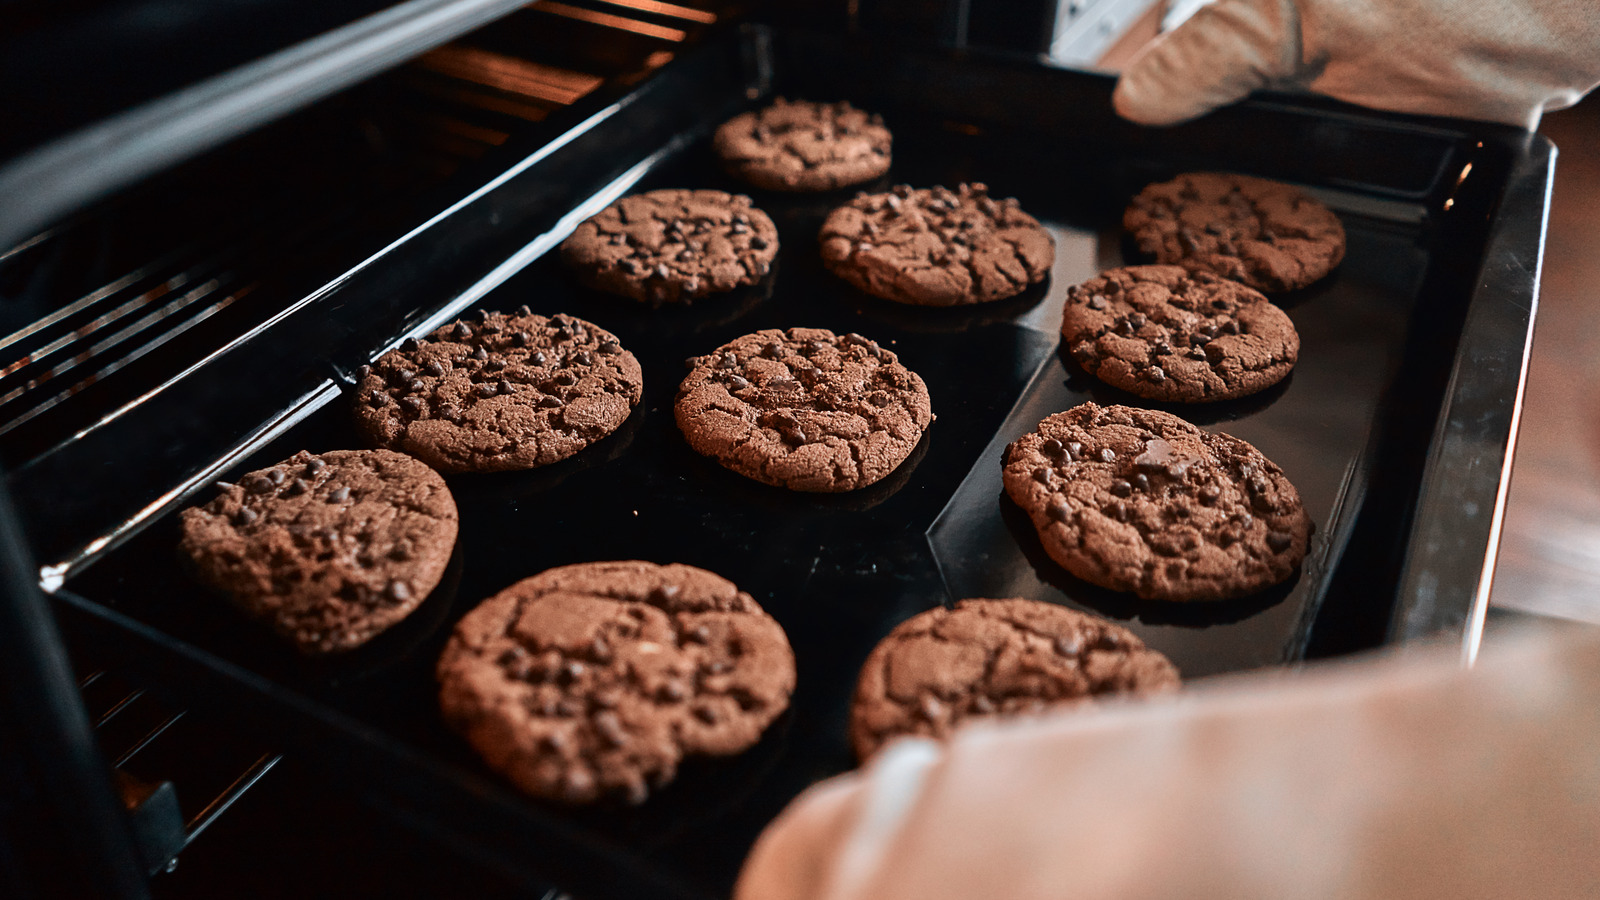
[327,549]
[1265,234]
[597,679]
[803,146]
[936,247]
[991,659]
[1141,501]
[499,391]
[673,246]
[1164,333]
[804,409]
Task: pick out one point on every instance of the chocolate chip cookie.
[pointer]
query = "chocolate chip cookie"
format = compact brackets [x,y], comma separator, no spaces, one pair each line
[803,146]
[327,549]
[804,409]
[1165,334]
[673,246]
[936,247]
[597,679]
[1266,234]
[995,658]
[499,392]
[1141,501]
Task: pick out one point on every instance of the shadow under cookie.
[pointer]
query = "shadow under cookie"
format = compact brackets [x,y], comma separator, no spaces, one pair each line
[1131,255]
[638,322]
[704,790]
[253,644]
[1125,606]
[745,491]
[944,319]
[1080,381]
[475,488]
[401,641]
[788,207]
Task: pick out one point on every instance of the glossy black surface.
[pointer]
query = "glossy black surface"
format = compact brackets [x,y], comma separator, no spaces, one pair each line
[1351,428]
[837,570]
[71,64]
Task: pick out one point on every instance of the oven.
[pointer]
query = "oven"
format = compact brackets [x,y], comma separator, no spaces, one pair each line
[209,229]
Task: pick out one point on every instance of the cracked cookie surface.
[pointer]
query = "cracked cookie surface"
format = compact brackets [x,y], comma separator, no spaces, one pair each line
[1141,501]
[991,659]
[935,246]
[1165,334]
[673,246]
[797,145]
[499,392]
[596,680]
[327,549]
[1265,234]
[804,409]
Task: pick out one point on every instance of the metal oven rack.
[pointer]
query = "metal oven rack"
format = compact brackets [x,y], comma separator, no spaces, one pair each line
[119,273]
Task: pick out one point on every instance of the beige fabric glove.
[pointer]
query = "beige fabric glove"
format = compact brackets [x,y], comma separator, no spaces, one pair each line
[1505,61]
[1397,779]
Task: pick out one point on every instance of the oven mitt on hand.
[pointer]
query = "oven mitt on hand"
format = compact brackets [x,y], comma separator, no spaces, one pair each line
[1502,62]
[1367,780]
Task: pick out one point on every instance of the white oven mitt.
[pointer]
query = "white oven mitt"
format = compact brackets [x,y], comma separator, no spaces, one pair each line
[1505,61]
[1396,779]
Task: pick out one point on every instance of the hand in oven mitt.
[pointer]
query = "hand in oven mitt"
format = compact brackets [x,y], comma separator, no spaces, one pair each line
[1402,777]
[1502,62]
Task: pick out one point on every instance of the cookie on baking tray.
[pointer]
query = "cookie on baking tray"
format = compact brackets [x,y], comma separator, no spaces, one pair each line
[995,658]
[499,392]
[935,246]
[797,145]
[1164,333]
[1265,234]
[673,246]
[327,549]
[804,409]
[595,680]
[1141,501]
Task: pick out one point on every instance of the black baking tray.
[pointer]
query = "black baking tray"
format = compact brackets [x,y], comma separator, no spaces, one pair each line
[1396,427]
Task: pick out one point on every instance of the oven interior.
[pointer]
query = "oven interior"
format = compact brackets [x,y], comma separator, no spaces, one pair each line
[198,321]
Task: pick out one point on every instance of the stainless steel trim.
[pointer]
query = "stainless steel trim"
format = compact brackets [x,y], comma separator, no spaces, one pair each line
[53,180]
[1444,586]
[202,820]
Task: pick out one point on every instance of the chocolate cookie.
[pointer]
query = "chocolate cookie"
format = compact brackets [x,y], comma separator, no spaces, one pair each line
[1166,334]
[804,146]
[1266,234]
[995,658]
[596,679]
[500,392]
[328,549]
[936,247]
[673,245]
[1142,501]
[804,409]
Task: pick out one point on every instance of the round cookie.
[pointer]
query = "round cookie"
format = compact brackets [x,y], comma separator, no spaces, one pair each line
[673,246]
[328,549]
[936,247]
[504,392]
[995,658]
[1265,234]
[1141,501]
[1165,334]
[804,409]
[803,146]
[597,679]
